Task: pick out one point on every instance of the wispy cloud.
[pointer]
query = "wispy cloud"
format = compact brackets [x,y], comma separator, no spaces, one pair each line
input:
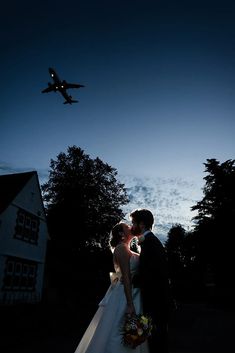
[6,168]
[170,200]
[43,175]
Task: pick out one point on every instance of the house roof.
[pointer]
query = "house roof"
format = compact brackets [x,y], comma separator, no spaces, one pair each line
[11,185]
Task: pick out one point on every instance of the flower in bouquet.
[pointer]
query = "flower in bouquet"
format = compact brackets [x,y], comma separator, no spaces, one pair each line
[136,330]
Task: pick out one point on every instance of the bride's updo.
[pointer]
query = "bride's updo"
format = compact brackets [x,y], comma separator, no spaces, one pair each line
[116,235]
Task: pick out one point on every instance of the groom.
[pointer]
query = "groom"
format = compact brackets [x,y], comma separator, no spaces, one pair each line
[153,278]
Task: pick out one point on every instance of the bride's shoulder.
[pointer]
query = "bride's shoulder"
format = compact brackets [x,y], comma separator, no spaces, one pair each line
[122,248]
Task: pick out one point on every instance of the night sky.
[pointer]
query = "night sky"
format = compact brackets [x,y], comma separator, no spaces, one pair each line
[159,95]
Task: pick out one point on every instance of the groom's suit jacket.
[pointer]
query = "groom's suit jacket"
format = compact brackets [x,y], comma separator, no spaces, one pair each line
[153,278]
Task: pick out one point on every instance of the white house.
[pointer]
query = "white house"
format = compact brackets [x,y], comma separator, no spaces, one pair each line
[23,238]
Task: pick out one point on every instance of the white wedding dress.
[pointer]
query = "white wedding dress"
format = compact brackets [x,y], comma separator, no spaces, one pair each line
[103,334]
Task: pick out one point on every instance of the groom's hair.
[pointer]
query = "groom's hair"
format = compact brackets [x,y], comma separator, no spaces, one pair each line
[143,215]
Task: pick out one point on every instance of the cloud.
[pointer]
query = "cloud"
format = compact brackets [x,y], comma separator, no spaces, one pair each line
[43,175]
[6,168]
[170,200]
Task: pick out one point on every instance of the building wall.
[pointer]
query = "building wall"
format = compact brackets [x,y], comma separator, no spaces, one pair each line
[2,266]
[17,247]
[19,250]
[18,286]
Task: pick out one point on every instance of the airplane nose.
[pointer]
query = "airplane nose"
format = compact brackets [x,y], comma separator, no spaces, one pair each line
[52,72]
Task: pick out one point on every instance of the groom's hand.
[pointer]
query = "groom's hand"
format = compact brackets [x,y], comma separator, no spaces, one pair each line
[130,310]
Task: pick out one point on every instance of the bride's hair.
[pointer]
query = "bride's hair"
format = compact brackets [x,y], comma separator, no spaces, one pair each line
[116,235]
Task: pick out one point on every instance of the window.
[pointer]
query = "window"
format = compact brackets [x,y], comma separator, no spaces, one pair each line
[27,227]
[20,275]
[8,279]
[24,277]
[31,277]
[17,274]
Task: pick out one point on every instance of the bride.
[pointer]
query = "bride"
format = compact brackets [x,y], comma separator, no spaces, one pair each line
[103,334]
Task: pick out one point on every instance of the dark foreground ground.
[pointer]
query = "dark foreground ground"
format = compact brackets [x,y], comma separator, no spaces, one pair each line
[195,327]
[202,328]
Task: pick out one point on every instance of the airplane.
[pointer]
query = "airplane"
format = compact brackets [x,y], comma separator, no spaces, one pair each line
[61,86]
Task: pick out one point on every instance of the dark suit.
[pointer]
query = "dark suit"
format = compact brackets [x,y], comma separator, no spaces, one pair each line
[154,285]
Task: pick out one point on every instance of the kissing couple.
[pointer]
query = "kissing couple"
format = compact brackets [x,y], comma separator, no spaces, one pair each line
[140,285]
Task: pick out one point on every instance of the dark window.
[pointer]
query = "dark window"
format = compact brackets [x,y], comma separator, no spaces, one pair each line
[20,275]
[27,227]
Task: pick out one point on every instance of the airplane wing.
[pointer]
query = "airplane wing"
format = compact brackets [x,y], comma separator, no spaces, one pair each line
[72,85]
[49,89]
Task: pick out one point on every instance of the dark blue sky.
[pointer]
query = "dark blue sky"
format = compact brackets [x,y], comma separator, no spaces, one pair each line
[159,76]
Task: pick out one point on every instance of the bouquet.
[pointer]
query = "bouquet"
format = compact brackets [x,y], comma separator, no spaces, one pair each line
[136,330]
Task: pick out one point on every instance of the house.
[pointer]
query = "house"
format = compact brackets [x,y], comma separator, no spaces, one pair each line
[23,238]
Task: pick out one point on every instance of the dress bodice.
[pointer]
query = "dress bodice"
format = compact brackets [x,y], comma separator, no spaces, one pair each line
[134,265]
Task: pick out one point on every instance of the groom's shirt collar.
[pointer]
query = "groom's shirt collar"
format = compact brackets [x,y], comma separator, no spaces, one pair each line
[146,232]
[142,236]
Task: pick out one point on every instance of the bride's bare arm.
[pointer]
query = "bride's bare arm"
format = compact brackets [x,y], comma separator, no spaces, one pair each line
[122,257]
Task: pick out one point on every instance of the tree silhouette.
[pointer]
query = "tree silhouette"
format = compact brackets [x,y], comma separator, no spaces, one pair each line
[219,192]
[215,220]
[184,268]
[83,199]
[204,256]
[175,253]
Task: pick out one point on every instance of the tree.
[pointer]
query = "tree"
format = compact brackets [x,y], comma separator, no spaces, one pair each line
[174,249]
[215,220]
[83,199]
[184,270]
[219,192]
[175,240]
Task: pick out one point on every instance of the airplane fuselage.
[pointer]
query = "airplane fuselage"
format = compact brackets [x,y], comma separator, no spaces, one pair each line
[58,83]
[61,86]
